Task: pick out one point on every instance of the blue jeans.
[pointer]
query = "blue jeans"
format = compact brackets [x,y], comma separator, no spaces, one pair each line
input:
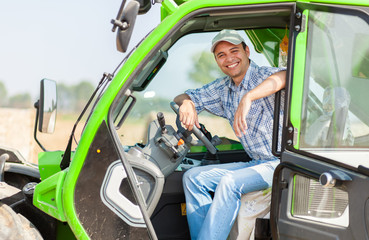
[212,219]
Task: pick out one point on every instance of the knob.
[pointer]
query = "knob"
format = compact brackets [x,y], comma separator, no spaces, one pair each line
[327,180]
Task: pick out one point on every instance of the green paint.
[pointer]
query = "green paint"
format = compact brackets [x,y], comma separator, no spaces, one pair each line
[266,41]
[298,79]
[223,147]
[293,195]
[64,232]
[49,163]
[47,196]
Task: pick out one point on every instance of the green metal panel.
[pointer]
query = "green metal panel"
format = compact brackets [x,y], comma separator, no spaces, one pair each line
[298,79]
[193,5]
[223,147]
[64,232]
[341,2]
[267,41]
[168,7]
[47,196]
[49,163]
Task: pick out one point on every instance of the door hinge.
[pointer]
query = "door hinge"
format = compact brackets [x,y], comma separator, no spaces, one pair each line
[293,134]
[300,20]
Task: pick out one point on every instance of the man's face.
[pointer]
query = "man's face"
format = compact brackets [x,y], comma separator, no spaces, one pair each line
[233,60]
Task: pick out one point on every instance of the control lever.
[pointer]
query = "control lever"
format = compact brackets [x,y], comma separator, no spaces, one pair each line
[215,140]
[205,132]
[161,120]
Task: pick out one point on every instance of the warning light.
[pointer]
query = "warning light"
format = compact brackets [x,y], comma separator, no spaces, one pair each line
[180,142]
[98,150]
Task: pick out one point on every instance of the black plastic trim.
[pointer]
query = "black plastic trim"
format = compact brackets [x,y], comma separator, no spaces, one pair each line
[275,138]
[276,196]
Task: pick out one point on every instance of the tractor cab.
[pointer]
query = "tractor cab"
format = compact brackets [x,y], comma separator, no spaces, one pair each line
[124,179]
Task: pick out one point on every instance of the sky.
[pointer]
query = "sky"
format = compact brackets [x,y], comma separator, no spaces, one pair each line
[66,41]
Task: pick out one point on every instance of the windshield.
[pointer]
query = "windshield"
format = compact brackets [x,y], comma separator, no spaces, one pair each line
[186,65]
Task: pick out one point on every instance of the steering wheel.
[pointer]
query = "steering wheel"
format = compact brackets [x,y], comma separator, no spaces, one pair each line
[196,131]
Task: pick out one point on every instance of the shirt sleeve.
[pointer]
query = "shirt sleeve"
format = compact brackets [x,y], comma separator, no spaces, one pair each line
[208,97]
[262,74]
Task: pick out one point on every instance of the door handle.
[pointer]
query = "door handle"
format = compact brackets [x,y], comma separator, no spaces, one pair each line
[333,178]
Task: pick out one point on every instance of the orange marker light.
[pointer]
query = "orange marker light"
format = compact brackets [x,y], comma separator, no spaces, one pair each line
[98,150]
[180,142]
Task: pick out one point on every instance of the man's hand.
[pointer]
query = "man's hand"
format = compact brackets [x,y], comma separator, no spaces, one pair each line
[188,114]
[239,123]
[269,86]
[187,111]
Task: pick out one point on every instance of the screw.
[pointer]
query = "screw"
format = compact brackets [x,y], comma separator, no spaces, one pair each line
[298,15]
[297,28]
[290,129]
[289,142]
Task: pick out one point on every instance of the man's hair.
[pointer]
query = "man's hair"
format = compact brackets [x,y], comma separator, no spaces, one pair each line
[244,45]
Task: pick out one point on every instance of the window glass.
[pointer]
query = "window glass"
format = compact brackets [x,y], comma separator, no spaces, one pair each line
[335,107]
[189,64]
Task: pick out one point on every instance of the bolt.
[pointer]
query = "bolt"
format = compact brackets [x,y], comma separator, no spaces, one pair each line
[298,15]
[290,129]
[297,28]
[289,142]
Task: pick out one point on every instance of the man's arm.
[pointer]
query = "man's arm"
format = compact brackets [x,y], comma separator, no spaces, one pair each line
[187,111]
[271,85]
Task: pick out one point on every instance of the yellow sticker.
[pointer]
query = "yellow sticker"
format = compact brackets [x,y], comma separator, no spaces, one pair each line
[183,209]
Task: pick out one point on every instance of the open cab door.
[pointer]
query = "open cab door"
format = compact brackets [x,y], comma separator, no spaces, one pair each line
[320,189]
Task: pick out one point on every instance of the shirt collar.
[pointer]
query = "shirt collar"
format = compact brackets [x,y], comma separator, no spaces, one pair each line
[245,81]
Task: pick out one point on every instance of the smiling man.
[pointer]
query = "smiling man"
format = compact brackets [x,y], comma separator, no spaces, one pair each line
[244,97]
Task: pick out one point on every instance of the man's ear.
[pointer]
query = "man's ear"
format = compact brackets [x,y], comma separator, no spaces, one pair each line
[247,50]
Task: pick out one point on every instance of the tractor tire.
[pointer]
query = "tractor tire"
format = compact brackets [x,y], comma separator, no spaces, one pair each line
[14,226]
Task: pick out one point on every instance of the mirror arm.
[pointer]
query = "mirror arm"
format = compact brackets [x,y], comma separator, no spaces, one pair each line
[122,25]
[36,105]
[116,22]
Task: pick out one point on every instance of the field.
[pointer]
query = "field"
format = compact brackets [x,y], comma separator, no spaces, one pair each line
[16,132]
[17,126]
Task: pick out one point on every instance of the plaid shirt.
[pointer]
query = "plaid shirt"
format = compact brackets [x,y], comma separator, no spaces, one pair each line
[221,97]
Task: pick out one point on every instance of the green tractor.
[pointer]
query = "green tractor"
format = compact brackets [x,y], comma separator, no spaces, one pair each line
[124,178]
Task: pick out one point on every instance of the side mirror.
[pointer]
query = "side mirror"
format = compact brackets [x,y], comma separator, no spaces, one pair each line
[47,106]
[125,25]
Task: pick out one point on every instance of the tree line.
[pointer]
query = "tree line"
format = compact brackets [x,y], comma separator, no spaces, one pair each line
[71,98]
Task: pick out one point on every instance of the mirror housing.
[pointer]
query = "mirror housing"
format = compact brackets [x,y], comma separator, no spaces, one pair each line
[145,6]
[127,22]
[47,106]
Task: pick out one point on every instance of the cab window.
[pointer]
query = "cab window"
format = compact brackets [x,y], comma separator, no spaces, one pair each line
[335,113]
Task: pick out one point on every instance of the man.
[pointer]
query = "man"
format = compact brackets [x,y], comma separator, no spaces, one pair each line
[245,97]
